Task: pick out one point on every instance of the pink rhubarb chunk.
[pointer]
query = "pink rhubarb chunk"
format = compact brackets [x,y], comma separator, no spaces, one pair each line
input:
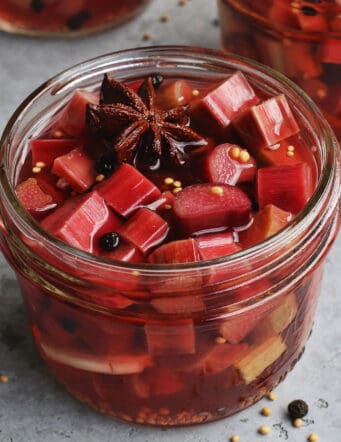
[205,206]
[71,119]
[127,189]
[76,168]
[287,187]
[145,230]
[220,106]
[78,220]
[32,196]
[170,337]
[267,124]
[222,167]
[46,150]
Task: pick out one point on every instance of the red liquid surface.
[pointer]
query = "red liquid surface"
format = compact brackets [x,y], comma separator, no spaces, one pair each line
[306,47]
[64,16]
[183,369]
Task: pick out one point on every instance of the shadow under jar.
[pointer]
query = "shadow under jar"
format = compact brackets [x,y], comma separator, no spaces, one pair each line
[99,325]
[301,39]
[65,17]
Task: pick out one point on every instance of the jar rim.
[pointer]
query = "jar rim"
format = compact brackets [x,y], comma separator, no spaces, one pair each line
[277,28]
[205,57]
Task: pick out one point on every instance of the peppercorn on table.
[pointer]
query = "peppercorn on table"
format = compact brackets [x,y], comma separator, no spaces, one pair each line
[33,406]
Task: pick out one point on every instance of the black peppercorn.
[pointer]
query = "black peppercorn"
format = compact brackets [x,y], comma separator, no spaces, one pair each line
[37,5]
[104,166]
[157,80]
[68,325]
[298,409]
[77,21]
[308,10]
[109,241]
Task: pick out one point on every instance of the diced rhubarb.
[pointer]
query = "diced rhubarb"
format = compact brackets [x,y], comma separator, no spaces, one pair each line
[179,304]
[170,337]
[266,223]
[144,230]
[47,182]
[156,381]
[267,124]
[259,357]
[173,94]
[32,196]
[47,150]
[78,220]
[125,253]
[215,245]
[330,51]
[220,106]
[220,358]
[175,252]
[71,120]
[205,206]
[127,189]
[229,164]
[287,187]
[77,168]
[277,320]
[110,364]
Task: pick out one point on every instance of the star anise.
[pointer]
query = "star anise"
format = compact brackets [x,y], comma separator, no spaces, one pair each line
[138,129]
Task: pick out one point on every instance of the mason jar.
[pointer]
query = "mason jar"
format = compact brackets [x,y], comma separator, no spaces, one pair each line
[170,345]
[65,17]
[301,39]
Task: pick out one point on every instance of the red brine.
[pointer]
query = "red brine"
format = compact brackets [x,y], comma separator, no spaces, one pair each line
[143,179]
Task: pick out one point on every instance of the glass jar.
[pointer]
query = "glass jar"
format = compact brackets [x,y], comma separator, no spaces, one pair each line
[302,39]
[65,17]
[169,345]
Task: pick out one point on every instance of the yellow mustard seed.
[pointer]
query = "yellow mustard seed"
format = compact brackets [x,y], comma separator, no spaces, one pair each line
[291,148]
[271,396]
[165,18]
[100,178]
[147,36]
[235,438]
[244,156]
[181,99]
[57,134]
[195,92]
[264,430]
[217,190]
[290,154]
[4,378]
[313,437]
[235,153]
[36,169]
[40,164]
[135,273]
[297,422]
[167,206]
[321,92]
[183,2]
[177,183]
[168,180]
[266,411]
[220,340]
[177,190]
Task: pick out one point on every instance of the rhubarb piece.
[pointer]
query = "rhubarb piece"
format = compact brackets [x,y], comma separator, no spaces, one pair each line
[76,168]
[173,94]
[266,124]
[124,364]
[219,107]
[32,196]
[157,381]
[268,221]
[257,358]
[48,184]
[71,120]
[170,337]
[229,164]
[287,187]
[47,150]
[78,220]
[330,51]
[277,320]
[126,253]
[179,304]
[204,206]
[312,21]
[175,252]
[144,230]
[215,245]
[220,358]
[137,190]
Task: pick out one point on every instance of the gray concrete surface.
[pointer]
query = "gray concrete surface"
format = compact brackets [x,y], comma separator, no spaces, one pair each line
[33,407]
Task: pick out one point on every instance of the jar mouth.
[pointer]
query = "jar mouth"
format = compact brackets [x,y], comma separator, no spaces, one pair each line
[277,28]
[173,58]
